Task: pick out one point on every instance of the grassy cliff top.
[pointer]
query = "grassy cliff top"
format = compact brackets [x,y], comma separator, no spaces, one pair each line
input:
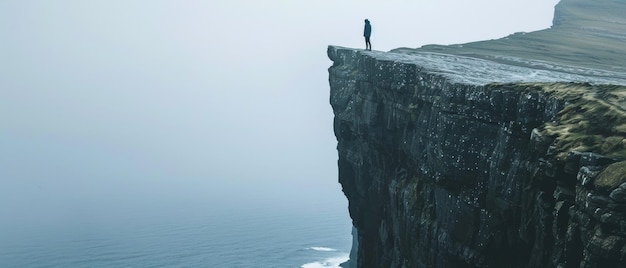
[585,36]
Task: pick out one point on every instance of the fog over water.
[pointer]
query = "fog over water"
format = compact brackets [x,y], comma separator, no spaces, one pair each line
[129,111]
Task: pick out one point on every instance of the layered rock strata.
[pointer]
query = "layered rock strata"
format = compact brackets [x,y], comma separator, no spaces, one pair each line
[444,169]
[501,153]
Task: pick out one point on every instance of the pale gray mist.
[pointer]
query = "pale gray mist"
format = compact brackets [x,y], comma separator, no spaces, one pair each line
[126,111]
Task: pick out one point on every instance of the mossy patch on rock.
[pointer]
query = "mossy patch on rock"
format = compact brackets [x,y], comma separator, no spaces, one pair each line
[611,177]
[593,120]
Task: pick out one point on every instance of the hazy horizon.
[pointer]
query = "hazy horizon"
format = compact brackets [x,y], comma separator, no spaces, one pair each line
[135,109]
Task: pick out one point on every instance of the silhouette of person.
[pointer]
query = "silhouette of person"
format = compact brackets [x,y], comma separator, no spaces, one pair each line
[367,33]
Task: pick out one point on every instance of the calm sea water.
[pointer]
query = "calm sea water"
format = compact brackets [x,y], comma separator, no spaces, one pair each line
[295,232]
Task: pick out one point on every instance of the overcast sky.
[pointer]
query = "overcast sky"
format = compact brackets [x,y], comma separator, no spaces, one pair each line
[111,105]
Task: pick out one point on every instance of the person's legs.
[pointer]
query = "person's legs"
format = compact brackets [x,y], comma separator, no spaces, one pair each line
[368,45]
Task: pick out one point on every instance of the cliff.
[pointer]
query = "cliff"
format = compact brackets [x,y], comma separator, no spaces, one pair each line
[489,154]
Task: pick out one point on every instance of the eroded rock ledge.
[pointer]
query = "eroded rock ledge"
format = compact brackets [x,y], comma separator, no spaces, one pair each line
[448,163]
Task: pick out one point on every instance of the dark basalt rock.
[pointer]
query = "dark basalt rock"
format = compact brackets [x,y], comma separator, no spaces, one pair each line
[457,160]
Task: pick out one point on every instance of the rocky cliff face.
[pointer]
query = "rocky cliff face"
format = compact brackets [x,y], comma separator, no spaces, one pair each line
[458,159]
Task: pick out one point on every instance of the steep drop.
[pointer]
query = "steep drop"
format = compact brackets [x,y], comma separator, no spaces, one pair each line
[479,158]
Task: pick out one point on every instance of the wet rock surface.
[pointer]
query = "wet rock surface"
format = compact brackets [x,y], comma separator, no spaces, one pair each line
[455,161]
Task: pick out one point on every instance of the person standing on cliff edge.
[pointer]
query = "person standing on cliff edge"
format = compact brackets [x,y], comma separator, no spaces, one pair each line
[367,33]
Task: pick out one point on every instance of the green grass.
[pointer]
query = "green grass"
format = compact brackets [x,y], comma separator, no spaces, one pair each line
[594,120]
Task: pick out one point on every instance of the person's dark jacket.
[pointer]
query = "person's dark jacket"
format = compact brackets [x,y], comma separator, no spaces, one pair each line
[368,29]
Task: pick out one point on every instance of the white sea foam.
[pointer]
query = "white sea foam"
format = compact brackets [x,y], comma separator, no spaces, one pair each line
[322,249]
[328,263]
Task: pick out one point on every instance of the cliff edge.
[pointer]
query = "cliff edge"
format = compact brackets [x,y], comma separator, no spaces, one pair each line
[489,154]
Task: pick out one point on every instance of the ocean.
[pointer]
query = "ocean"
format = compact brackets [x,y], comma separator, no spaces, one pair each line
[288,231]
